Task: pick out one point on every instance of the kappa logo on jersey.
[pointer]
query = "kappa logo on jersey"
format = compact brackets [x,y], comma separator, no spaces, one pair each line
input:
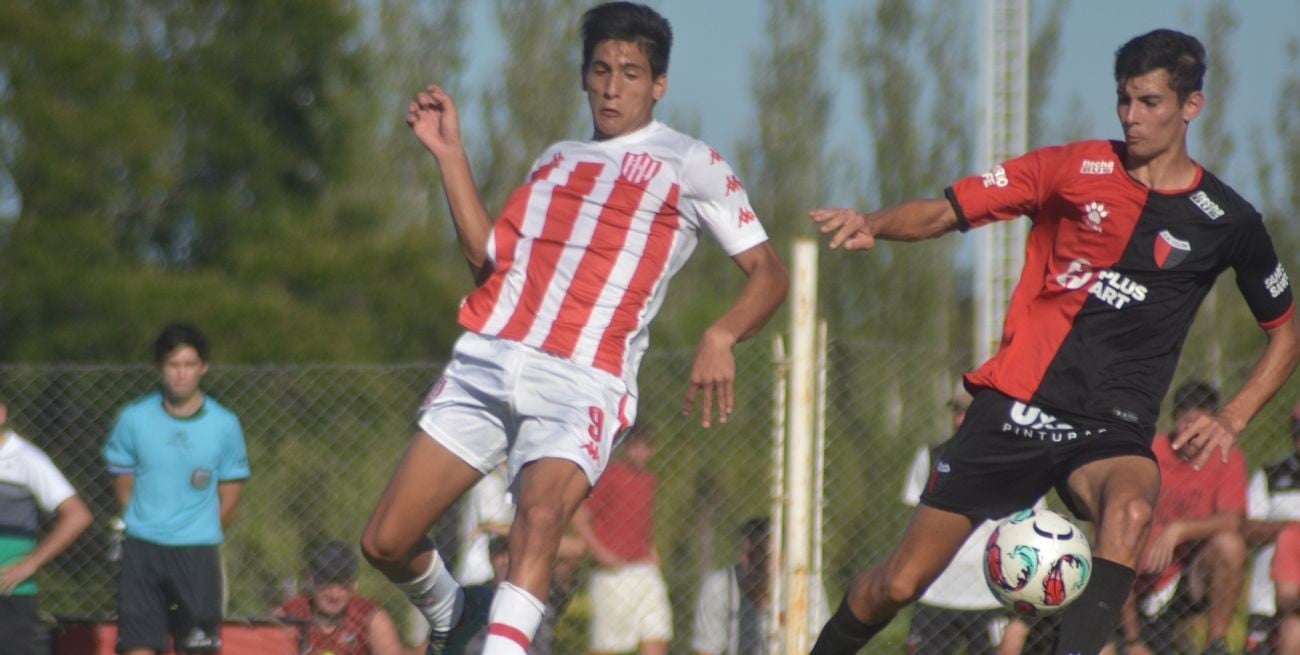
[639,168]
[1091,167]
[996,177]
[1077,275]
[1094,212]
[1170,250]
[714,156]
[745,217]
[733,184]
[1202,200]
[1277,281]
[1117,290]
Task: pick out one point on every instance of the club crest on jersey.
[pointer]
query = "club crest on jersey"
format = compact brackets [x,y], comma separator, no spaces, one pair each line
[639,168]
[1170,250]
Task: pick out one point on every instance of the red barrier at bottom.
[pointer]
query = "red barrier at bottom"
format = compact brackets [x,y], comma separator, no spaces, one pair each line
[236,639]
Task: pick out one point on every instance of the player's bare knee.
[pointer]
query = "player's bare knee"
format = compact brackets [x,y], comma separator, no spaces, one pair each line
[383,554]
[541,520]
[900,586]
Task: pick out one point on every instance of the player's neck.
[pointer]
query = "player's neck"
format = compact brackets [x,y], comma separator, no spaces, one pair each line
[183,407]
[1172,170]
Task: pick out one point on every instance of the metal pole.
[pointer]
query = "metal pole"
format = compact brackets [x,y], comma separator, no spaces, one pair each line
[776,591]
[799,463]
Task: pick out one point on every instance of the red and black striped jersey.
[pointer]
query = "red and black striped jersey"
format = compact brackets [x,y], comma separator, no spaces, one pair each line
[1113,275]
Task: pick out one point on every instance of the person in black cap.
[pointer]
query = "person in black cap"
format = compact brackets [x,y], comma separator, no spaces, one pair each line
[331,618]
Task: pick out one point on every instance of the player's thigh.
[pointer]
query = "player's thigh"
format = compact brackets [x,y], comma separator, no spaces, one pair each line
[929,542]
[427,481]
[18,623]
[613,611]
[194,583]
[141,601]
[1117,494]
[654,614]
[568,411]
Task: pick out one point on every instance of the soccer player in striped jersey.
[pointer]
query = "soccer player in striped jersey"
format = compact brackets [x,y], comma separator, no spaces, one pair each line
[568,278]
[1127,238]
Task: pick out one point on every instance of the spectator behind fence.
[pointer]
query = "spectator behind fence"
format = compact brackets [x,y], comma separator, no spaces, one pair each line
[1195,553]
[178,463]
[958,609]
[1285,573]
[733,609]
[1272,503]
[629,600]
[29,484]
[331,618]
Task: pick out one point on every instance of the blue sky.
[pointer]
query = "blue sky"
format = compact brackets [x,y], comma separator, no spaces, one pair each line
[716,40]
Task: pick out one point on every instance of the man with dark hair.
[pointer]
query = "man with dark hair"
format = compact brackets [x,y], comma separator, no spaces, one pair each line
[30,485]
[178,462]
[1195,553]
[569,277]
[1272,503]
[331,618]
[1127,238]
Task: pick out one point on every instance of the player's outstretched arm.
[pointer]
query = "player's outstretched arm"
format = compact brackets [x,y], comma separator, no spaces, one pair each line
[913,220]
[432,116]
[713,371]
[1218,432]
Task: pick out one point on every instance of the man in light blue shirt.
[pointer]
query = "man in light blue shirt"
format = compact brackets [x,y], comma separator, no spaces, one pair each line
[178,463]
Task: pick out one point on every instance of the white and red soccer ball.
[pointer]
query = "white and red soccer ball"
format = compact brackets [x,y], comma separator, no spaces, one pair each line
[1036,562]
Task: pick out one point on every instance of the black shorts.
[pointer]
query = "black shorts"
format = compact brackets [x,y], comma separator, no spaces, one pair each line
[941,631]
[1007,454]
[164,590]
[18,624]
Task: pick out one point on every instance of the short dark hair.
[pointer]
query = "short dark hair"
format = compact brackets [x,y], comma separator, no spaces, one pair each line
[174,336]
[628,21]
[1195,394]
[756,529]
[1181,55]
[332,562]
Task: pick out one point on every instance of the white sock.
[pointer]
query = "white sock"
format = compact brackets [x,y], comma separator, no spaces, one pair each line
[512,621]
[436,594]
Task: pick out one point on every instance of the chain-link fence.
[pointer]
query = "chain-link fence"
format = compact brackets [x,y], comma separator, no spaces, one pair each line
[322,441]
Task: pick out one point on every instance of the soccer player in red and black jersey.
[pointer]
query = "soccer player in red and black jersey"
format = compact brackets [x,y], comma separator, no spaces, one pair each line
[1127,238]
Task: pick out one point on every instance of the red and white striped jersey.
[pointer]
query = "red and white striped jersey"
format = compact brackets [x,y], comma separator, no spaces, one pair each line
[582,252]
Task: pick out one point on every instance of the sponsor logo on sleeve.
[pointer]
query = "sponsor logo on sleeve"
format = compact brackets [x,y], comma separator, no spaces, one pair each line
[745,217]
[1277,281]
[733,185]
[996,177]
[1211,209]
[639,168]
[1170,250]
[1091,167]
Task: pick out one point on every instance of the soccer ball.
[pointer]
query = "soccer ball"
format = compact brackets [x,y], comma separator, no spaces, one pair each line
[1037,562]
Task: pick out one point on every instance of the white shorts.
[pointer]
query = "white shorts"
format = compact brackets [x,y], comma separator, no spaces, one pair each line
[499,400]
[629,605]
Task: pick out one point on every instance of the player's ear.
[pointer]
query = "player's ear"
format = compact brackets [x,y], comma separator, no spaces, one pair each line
[1193,105]
[661,86]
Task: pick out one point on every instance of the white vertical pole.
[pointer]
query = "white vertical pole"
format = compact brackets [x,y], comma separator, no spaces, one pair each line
[776,582]
[799,463]
[819,482]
